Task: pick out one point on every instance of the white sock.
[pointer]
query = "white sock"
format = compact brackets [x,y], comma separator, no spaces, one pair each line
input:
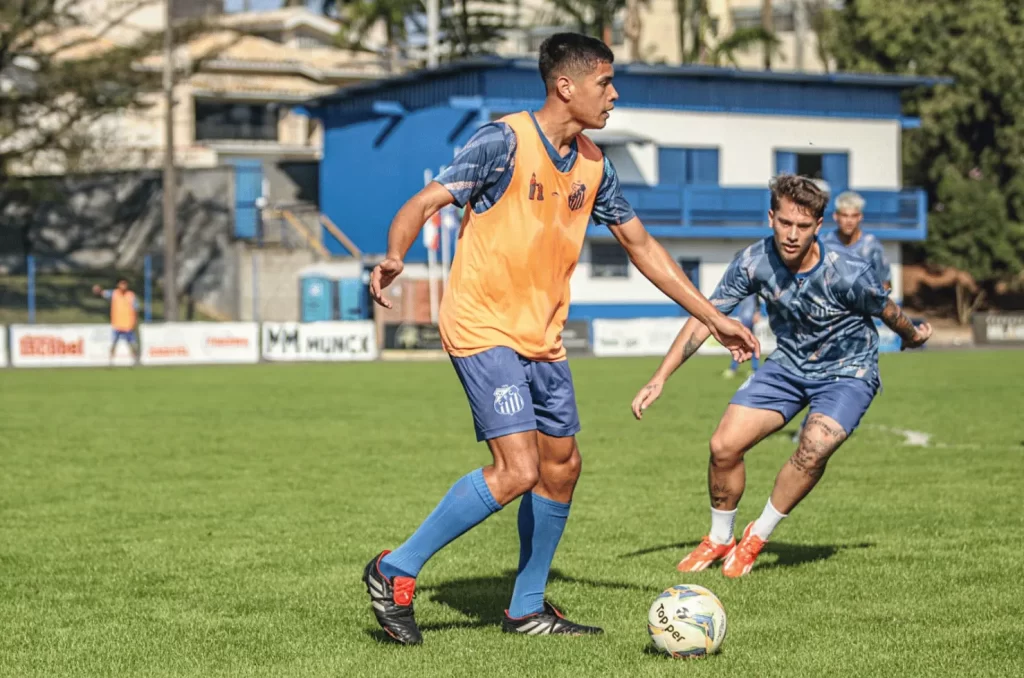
[769,520]
[721,525]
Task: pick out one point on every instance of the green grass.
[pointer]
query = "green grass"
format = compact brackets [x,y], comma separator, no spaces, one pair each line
[215,521]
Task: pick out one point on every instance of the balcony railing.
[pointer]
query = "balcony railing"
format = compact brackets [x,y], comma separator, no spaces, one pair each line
[717,211]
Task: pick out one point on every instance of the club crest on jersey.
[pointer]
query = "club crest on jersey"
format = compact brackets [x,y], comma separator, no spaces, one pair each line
[577,195]
[507,400]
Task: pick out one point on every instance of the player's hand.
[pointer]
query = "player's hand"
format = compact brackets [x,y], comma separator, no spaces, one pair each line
[924,331]
[646,397]
[732,334]
[383,275]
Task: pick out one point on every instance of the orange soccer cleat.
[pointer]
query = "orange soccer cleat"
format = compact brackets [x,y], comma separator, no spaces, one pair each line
[742,558]
[706,553]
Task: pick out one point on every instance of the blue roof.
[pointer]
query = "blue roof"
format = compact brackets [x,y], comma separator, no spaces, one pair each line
[479,65]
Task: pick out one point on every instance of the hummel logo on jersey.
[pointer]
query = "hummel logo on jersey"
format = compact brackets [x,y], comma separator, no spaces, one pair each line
[536,188]
[507,400]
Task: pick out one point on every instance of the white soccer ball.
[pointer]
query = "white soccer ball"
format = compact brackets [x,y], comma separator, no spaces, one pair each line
[687,621]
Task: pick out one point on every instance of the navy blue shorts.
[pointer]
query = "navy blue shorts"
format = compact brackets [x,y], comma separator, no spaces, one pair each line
[775,388]
[129,336]
[511,394]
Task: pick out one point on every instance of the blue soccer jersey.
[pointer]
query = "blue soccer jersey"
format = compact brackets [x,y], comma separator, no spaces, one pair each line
[867,247]
[482,171]
[822,319]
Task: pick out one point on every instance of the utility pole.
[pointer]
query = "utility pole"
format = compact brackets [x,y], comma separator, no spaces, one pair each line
[170,182]
[433,25]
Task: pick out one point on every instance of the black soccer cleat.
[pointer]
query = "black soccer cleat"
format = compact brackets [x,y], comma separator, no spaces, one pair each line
[392,603]
[548,622]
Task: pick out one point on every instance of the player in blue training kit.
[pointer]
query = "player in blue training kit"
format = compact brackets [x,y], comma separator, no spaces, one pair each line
[820,303]
[848,215]
[849,236]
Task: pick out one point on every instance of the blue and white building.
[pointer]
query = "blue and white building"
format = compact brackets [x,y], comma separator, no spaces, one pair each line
[695,148]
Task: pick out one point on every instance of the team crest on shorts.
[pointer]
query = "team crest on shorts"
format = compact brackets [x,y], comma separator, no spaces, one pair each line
[507,400]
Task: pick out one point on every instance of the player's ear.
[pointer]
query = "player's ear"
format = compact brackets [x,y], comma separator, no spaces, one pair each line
[818,227]
[565,87]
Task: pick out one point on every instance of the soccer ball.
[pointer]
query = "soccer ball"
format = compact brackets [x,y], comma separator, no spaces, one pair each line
[687,621]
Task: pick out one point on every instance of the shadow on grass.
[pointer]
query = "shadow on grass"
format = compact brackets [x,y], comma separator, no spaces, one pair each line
[484,599]
[786,555]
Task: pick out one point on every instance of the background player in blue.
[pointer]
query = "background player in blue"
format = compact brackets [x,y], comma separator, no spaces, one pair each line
[748,313]
[820,305]
[848,215]
[530,431]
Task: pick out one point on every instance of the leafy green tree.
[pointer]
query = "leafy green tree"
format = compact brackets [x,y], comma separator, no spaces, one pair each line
[969,152]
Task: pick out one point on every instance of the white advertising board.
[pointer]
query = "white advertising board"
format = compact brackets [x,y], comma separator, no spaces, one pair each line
[654,337]
[320,341]
[65,346]
[199,343]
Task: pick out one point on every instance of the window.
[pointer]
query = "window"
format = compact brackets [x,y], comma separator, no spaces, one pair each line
[687,165]
[230,121]
[810,165]
[608,260]
[691,267]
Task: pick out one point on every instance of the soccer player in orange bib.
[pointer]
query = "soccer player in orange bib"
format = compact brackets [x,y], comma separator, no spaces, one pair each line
[124,312]
[530,184]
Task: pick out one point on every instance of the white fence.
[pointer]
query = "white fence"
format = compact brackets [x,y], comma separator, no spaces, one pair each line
[200,343]
[195,343]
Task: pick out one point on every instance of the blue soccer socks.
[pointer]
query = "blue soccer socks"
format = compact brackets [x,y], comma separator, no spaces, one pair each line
[541,522]
[468,503]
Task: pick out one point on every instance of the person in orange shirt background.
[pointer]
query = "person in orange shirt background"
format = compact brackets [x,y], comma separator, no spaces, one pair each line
[124,315]
[530,183]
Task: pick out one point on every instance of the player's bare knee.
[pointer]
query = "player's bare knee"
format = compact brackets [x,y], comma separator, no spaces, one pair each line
[573,465]
[521,475]
[724,452]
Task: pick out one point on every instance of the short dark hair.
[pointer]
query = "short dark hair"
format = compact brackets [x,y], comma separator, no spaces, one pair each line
[571,54]
[801,190]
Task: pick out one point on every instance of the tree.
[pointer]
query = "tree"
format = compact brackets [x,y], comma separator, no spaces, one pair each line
[58,77]
[698,43]
[467,28]
[969,152]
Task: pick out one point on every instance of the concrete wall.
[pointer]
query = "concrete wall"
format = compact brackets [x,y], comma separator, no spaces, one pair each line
[277,282]
[747,143]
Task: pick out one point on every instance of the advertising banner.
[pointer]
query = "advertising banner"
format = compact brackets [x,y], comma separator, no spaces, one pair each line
[320,341]
[199,343]
[65,346]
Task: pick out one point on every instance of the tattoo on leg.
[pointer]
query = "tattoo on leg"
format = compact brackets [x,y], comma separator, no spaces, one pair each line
[719,495]
[817,443]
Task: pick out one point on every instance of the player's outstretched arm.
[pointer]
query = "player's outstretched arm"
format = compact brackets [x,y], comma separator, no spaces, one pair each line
[690,338]
[405,227]
[660,268]
[912,335]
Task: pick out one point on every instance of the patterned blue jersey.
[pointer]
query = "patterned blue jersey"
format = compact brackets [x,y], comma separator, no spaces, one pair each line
[746,310]
[482,170]
[822,319]
[867,247]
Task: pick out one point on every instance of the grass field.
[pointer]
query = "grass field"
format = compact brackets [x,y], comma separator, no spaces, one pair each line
[215,521]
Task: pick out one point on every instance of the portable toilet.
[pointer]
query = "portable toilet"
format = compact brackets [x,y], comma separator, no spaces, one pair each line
[327,292]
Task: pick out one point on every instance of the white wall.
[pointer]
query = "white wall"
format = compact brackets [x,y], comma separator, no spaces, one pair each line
[714,256]
[747,143]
